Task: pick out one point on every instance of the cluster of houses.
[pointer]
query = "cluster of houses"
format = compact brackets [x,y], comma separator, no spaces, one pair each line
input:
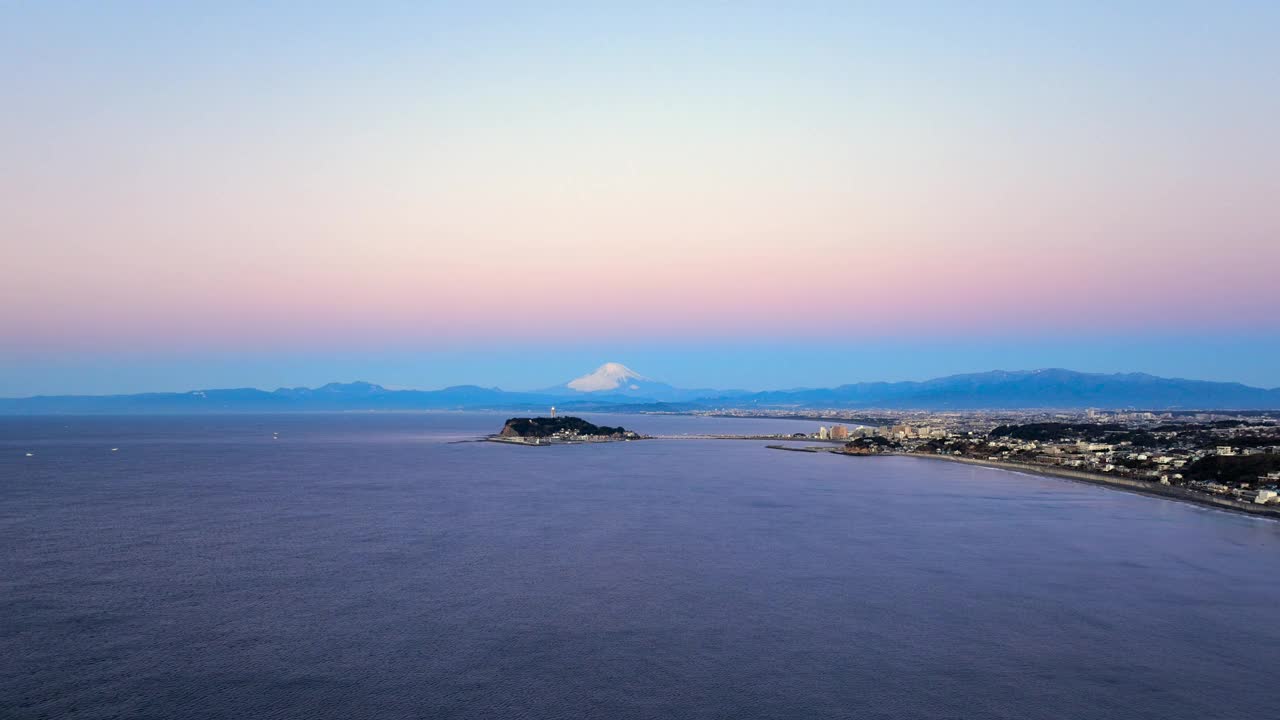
[1267,491]
[1163,466]
[893,432]
[1158,448]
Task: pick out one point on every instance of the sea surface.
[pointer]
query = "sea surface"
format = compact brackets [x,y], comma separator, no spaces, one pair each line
[372,566]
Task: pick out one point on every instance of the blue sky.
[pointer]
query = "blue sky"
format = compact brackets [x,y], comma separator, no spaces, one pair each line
[718,194]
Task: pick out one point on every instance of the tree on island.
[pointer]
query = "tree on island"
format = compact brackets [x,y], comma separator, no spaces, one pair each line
[542,427]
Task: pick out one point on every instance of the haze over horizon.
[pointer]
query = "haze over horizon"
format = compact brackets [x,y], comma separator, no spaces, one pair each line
[614,379]
[745,196]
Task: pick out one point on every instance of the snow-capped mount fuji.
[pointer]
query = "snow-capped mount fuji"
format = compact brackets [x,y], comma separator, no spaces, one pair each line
[615,379]
[609,376]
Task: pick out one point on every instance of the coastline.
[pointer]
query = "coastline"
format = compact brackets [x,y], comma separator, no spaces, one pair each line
[1116,483]
[557,440]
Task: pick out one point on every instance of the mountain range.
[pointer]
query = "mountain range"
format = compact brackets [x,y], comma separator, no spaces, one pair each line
[615,387]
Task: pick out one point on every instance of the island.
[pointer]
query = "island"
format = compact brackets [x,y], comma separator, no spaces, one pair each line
[559,431]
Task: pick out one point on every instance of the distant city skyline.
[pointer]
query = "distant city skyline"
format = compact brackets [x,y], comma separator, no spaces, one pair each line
[718,195]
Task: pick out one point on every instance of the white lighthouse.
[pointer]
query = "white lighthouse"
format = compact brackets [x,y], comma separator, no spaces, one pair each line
[553,411]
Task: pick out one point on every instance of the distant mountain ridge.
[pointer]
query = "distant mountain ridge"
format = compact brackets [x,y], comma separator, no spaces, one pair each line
[620,389]
[1030,389]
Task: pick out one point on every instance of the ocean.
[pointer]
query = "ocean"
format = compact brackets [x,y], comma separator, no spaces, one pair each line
[379,566]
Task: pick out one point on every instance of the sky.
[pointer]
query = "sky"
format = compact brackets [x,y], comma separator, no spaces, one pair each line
[756,195]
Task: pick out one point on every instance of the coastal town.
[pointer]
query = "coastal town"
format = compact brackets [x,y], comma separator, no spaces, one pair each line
[1228,459]
[1233,457]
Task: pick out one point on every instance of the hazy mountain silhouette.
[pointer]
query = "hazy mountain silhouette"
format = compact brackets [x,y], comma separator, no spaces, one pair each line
[624,390]
[1051,388]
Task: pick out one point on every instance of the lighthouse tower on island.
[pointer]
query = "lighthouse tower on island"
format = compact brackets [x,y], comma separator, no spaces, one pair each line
[553,411]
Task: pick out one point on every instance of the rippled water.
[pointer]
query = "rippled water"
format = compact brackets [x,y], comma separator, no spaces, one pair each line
[363,566]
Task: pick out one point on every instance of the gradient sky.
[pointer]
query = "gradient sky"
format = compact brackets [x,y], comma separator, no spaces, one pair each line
[718,194]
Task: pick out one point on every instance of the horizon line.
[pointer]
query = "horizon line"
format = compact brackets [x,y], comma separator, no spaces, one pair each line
[546,390]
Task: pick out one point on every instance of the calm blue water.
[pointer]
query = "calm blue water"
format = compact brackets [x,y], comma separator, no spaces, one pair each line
[362,566]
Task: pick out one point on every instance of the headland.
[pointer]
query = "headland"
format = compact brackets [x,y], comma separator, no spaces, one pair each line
[559,431]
